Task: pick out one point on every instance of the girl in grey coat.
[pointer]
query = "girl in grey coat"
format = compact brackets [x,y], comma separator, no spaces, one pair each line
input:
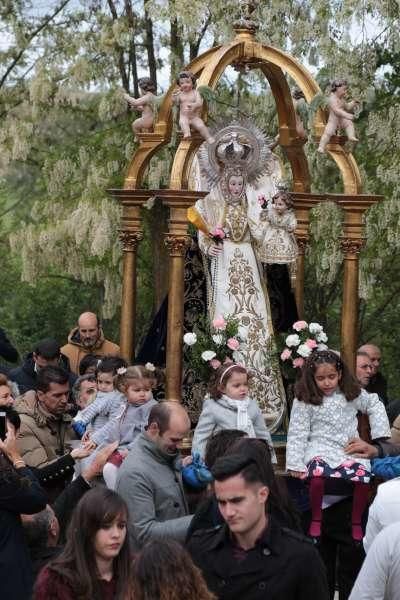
[228,406]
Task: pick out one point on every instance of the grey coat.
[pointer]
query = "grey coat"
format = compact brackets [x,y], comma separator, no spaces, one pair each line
[150,482]
[217,415]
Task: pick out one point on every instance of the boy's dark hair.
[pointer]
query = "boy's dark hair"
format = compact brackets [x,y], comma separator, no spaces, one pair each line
[147,85]
[47,348]
[306,389]
[90,360]
[280,504]
[110,364]
[243,464]
[186,75]
[219,443]
[49,375]
[221,376]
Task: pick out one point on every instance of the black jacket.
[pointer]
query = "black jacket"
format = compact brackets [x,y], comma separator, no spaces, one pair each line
[378,385]
[25,375]
[284,565]
[7,350]
[17,497]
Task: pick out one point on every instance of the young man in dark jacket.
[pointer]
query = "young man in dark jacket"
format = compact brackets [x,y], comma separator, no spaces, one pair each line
[251,556]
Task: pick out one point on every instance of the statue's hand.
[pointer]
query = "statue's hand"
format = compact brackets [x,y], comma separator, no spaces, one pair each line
[215,250]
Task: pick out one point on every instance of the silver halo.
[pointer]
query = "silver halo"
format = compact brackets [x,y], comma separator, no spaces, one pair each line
[256,163]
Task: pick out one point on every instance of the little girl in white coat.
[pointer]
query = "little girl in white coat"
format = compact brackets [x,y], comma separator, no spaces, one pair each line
[228,406]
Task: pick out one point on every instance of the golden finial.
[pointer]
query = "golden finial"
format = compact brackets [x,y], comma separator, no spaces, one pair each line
[246,23]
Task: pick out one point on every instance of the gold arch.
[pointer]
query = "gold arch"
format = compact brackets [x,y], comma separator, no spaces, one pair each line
[274,63]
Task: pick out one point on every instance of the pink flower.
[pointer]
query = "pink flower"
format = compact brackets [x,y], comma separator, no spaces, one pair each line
[298,363]
[219,323]
[317,472]
[286,354]
[219,233]
[336,474]
[233,344]
[228,361]
[299,325]
[354,479]
[311,344]
[215,363]
[360,472]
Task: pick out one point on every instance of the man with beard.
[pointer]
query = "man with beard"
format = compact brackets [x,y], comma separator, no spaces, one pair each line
[87,338]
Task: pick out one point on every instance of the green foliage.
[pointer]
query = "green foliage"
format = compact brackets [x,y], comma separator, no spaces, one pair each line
[65,139]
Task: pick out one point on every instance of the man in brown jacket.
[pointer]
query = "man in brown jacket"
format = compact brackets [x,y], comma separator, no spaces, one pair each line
[87,338]
[45,426]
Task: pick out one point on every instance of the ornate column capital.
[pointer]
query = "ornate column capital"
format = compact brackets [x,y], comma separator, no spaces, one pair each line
[130,240]
[177,244]
[351,246]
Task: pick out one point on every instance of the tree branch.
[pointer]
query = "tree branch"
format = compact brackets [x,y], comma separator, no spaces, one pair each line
[31,37]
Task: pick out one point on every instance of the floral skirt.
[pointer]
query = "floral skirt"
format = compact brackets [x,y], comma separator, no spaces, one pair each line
[349,469]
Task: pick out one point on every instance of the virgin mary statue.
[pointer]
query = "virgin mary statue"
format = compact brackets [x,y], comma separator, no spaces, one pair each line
[234,284]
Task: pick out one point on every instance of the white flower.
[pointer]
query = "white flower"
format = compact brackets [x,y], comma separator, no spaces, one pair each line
[292,340]
[321,337]
[190,339]
[304,350]
[218,339]
[237,356]
[121,371]
[321,347]
[149,366]
[150,203]
[315,328]
[208,355]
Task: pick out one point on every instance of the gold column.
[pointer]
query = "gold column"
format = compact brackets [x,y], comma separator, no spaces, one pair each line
[177,241]
[129,241]
[351,243]
[130,235]
[349,326]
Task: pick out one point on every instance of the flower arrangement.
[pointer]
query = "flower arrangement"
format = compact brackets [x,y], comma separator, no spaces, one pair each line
[263,201]
[213,344]
[299,345]
[218,235]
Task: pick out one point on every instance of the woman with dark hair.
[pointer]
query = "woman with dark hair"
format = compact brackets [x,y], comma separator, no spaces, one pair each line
[20,493]
[165,571]
[96,560]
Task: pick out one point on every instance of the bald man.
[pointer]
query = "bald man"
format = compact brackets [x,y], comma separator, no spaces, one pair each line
[377,382]
[150,477]
[87,338]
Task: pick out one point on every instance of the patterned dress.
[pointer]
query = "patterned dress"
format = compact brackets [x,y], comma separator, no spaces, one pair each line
[235,288]
[318,435]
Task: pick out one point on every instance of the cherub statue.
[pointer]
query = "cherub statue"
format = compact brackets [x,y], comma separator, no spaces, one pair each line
[339,115]
[143,104]
[300,109]
[190,104]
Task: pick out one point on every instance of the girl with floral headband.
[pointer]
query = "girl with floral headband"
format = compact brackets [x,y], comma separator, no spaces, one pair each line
[135,383]
[228,406]
[323,424]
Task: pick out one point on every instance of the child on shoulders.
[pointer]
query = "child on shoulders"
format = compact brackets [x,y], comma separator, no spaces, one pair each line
[135,383]
[107,402]
[228,406]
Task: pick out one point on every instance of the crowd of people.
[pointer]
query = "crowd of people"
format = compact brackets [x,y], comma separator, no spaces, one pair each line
[97,501]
